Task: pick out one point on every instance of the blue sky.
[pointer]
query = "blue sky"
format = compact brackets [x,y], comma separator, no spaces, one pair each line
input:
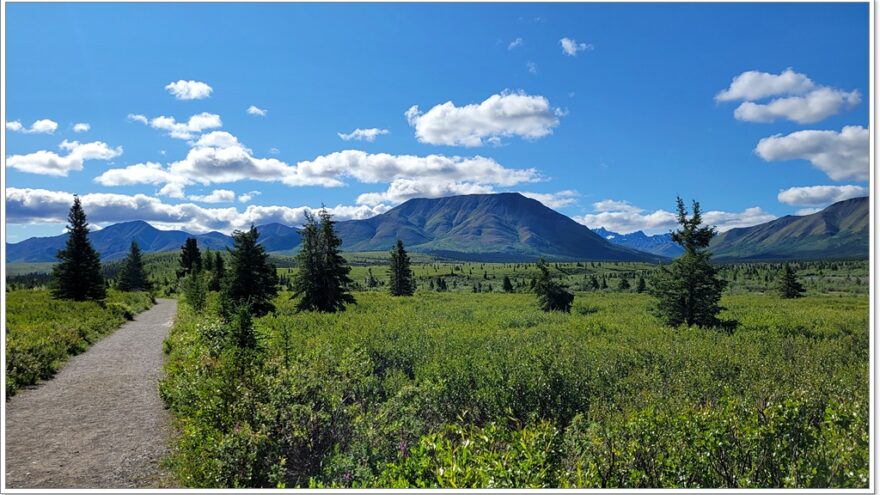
[606,126]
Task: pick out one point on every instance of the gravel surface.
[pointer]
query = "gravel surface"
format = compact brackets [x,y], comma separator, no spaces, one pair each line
[99,423]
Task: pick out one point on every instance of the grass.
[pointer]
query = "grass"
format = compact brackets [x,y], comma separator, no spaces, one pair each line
[42,332]
[483,390]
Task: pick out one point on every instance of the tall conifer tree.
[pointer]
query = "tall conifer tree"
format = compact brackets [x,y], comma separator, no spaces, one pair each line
[133,276]
[251,279]
[77,275]
[401,282]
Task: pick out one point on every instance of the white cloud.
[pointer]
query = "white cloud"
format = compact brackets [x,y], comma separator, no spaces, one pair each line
[217,165]
[42,126]
[401,190]
[259,112]
[499,116]
[134,117]
[50,163]
[532,67]
[217,139]
[81,127]
[624,218]
[755,85]
[571,47]
[189,90]
[363,134]
[554,200]
[842,155]
[807,211]
[43,206]
[248,196]
[274,151]
[515,43]
[138,173]
[819,196]
[813,107]
[181,130]
[216,196]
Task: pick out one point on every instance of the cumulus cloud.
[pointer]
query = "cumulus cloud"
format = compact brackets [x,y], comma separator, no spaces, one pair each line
[554,200]
[189,90]
[216,196]
[259,112]
[842,155]
[401,190]
[819,196]
[51,163]
[363,134]
[624,218]
[42,126]
[217,139]
[515,43]
[44,206]
[812,107]
[248,196]
[81,127]
[136,117]
[499,116]
[138,173]
[181,130]
[799,99]
[754,85]
[571,47]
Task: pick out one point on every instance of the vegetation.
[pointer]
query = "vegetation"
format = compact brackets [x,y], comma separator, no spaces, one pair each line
[41,332]
[190,258]
[400,276]
[454,389]
[251,280]
[552,296]
[688,291]
[77,275]
[322,280]
[789,287]
[133,276]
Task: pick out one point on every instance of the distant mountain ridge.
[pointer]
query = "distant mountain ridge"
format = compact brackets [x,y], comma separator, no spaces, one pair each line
[485,227]
[841,230]
[659,244]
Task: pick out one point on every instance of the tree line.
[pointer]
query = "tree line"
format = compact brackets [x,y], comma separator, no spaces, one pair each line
[688,290]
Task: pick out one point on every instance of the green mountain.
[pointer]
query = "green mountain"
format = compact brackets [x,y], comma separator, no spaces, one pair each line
[839,231]
[485,227]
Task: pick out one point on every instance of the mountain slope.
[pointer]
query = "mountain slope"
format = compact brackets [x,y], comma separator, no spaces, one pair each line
[659,244]
[113,242]
[490,227]
[839,231]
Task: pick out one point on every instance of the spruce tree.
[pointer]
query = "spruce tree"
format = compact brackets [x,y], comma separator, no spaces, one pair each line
[400,276]
[251,280]
[506,286]
[218,272]
[789,287]
[322,281]
[594,282]
[77,275]
[190,258]
[552,295]
[623,284]
[133,276]
[688,290]
[640,286]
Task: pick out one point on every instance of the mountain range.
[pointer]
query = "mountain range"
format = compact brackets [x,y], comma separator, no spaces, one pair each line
[480,227]
[505,227]
[659,244]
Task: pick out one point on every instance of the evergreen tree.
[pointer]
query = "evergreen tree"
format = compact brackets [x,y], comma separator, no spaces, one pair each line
[640,286]
[623,284]
[251,280]
[688,290]
[208,261]
[77,275]
[789,287]
[190,258]
[506,286]
[370,280]
[604,283]
[400,276]
[218,272]
[133,276]
[322,280]
[594,282]
[552,296]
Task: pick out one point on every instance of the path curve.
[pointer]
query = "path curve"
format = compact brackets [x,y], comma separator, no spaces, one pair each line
[99,423]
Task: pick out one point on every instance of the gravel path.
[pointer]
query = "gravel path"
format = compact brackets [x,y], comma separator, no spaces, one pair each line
[99,423]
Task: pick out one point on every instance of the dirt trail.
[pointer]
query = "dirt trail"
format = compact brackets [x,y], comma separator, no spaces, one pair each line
[99,423]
